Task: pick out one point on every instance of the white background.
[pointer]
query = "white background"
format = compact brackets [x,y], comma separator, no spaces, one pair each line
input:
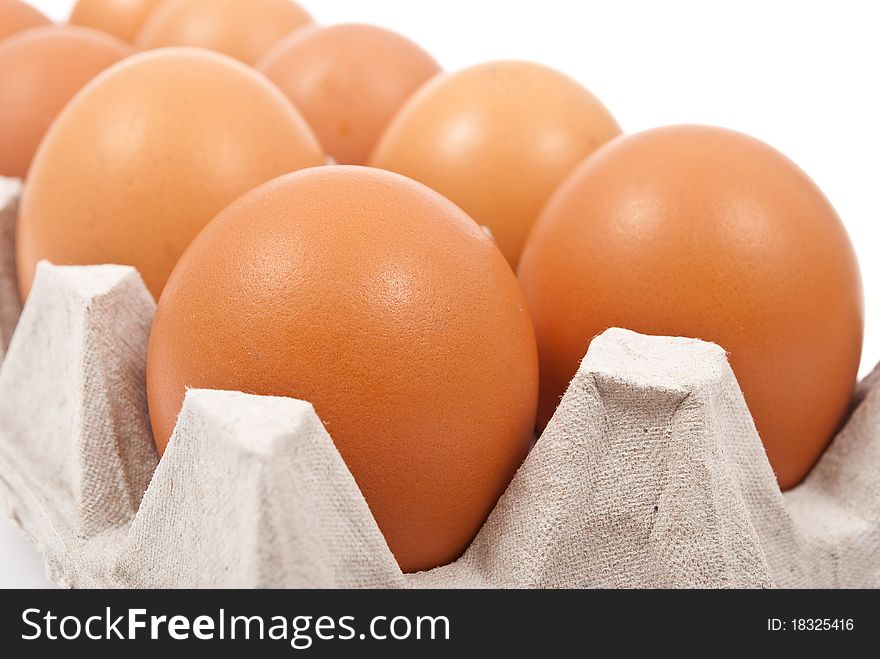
[802,76]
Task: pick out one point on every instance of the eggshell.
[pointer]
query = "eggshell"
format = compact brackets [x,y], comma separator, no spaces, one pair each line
[147,153]
[40,71]
[245,29]
[703,232]
[121,18]
[16,16]
[386,307]
[348,81]
[497,139]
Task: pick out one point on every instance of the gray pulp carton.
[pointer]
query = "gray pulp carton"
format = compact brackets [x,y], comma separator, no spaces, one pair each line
[650,474]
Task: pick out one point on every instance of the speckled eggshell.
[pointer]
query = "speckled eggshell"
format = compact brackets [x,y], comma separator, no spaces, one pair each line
[147,153]
[121,18]
[707,233]
[244,29]
[40,71]
[497,139]
[348,81]
[389,309]
[16,16]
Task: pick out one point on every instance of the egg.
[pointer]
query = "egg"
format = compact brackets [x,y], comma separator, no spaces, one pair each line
[245,29]
[16,16]
[348,81]
[707,233]
[497,139]
[146,154]
[40,71]
[385,306]
[121,18]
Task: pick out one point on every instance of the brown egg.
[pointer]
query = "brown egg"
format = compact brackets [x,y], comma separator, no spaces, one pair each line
[144,156]
[497,139]
[703,232]
[40,71]
[348,81]
[245,29]
[385,306]
[16,16]
[121,18]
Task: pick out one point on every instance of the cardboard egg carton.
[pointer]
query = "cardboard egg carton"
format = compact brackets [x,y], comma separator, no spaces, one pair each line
[651,473]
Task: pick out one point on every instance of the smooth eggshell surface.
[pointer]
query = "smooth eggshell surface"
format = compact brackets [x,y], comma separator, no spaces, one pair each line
[497,139]
[40,71]
[706,233]
[147,154]
[348,81]
[386,307]
[121,18]
[16,16]
[244,29]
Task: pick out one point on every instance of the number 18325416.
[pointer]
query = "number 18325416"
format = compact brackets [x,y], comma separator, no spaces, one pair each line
[810,624]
